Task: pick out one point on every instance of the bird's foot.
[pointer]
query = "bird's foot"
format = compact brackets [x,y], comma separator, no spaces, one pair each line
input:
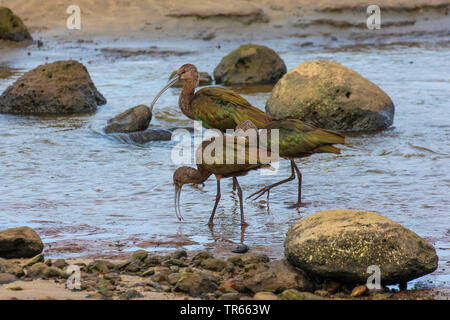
[244,224]
[210,224]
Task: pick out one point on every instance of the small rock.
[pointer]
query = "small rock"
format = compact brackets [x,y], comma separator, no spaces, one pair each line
[7,278]
[380,296]
[152,261]
[34,260]
[173,278]
[213,264]
[358,291]
[135,266]
[240,248]
[230,296]
[59,263]
[228,284]
[131,294]
[279,276]
[255,258]
[263,295]
[132,120]
[10,267]
[202,255]
[140,255]
[322,293]
[331,286]
[195,284]
[122,265]
[292,294]
[41,270]
[178,254]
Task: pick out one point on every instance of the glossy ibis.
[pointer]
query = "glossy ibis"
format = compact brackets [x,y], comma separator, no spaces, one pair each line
[221,169]
[215,107]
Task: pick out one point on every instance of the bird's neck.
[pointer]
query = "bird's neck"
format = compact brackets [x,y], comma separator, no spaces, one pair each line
[203,175]
[186,98]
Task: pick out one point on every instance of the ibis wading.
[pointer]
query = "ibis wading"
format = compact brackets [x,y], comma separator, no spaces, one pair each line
[215,107]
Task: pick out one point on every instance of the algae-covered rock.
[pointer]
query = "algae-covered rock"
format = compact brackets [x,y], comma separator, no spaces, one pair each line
[61,87]
[331,96]
[342,244]
[250,64]
[12,27]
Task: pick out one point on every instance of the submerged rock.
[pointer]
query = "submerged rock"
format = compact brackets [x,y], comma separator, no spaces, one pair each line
[135,119]
[250,64]
[142,137]
[62,87]
[331,96]
[22,242]
[341,245]
[12,27]
[204,80]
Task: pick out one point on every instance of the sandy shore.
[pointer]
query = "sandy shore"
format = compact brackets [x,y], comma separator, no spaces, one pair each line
[200,19]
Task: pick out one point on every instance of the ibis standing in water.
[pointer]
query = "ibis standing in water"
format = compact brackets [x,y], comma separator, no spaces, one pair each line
[242,163]
[215,107]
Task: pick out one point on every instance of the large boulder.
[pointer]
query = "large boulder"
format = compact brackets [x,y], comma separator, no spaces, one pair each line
[131,120]
[250,64]
[62,87]
[22,242]
[12,27]
[341,244]
[331,96]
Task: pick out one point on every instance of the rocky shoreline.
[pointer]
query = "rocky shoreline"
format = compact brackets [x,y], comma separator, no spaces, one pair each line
[181,275]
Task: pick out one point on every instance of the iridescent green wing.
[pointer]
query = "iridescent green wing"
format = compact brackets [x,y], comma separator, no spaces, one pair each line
[224,157]
[297,138]
[223,109]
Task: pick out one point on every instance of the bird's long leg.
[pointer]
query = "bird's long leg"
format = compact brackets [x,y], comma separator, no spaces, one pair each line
[211,223]
[241,202]
[299,176]
[234,185]
[260,192]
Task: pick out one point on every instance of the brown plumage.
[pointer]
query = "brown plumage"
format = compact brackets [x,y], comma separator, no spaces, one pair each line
[215,107]
[240,165]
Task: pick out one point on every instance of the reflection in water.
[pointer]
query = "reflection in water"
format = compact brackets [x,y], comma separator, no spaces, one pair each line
[91,195]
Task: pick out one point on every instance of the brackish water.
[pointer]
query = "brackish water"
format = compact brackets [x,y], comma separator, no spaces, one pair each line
[89,195]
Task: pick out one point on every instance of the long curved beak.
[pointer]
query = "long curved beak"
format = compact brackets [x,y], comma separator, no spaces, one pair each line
[168,85]
[177,202]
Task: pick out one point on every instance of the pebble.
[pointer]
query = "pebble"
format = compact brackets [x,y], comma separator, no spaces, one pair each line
[240,248]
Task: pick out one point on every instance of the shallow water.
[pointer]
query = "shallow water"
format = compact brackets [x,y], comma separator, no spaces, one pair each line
[87,194]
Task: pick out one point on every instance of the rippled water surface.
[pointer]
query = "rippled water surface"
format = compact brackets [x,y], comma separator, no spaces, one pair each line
[87,194]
